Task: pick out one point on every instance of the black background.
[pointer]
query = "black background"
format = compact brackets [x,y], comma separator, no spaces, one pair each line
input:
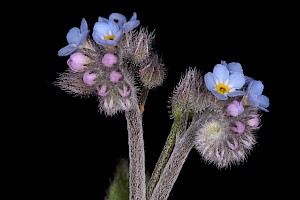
[71,151]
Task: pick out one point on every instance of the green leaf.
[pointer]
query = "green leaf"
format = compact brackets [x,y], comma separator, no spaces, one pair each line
[119,187]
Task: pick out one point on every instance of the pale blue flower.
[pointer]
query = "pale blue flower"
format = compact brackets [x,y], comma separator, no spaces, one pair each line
[122,22]
[76,38]
[254,96]
[106,32]
[236,67]
[223,84]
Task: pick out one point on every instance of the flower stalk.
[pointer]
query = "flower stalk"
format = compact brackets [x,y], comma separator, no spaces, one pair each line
[179,125]
[137,181]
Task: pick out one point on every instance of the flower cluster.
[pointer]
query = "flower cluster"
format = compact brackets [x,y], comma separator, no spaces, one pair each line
[101,65]
[236,101]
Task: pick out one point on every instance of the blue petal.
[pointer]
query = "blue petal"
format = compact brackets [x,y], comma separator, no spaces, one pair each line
[67,50]
[107,42]
[223,63]
[264,109]
[102,19]
[253,100]
[210,81]
[113,27]
[256,87]
[236,80]
[113,42]
[221,73]
[118,19]
[219,96]
[235,67]
[83,26]
[97,37]
[248,80]
[84,37]
[236,93]
[101,29]
[118,35]
[130,25]
[73,36]
[134,17]
[263,101]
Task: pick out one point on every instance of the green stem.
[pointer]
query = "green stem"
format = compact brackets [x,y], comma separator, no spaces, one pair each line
[183,146]
[173,167]
[178,126]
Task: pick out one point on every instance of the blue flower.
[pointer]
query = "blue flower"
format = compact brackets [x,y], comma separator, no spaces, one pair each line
[122,21]
[254,96]
[223,84]
[106,32]
[76,38]
[236,67]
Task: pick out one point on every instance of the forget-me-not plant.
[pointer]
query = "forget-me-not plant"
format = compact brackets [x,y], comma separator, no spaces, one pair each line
[218,113]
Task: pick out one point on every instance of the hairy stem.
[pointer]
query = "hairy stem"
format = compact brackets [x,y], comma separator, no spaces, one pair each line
[181,150]
[137,181]
[178,126]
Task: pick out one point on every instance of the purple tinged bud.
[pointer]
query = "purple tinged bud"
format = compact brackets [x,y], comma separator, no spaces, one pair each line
[239,127]
[102,91]
[109,60]
[235,108]
[254,122]
[115,76]
[89,78]
[77,62]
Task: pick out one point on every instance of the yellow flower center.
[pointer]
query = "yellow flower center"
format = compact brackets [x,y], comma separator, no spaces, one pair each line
[222,88]
[109,37]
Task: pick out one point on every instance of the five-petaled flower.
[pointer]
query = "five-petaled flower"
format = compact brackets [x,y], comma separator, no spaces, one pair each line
[223,84]
[106,32]
[76,38]
[254,96]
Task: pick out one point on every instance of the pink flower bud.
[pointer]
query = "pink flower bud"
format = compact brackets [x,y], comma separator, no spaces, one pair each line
[239,127]
[77,62]
[115,76]
[109,60]
[254,122]
[89,78]
[102,91]
[235,108]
